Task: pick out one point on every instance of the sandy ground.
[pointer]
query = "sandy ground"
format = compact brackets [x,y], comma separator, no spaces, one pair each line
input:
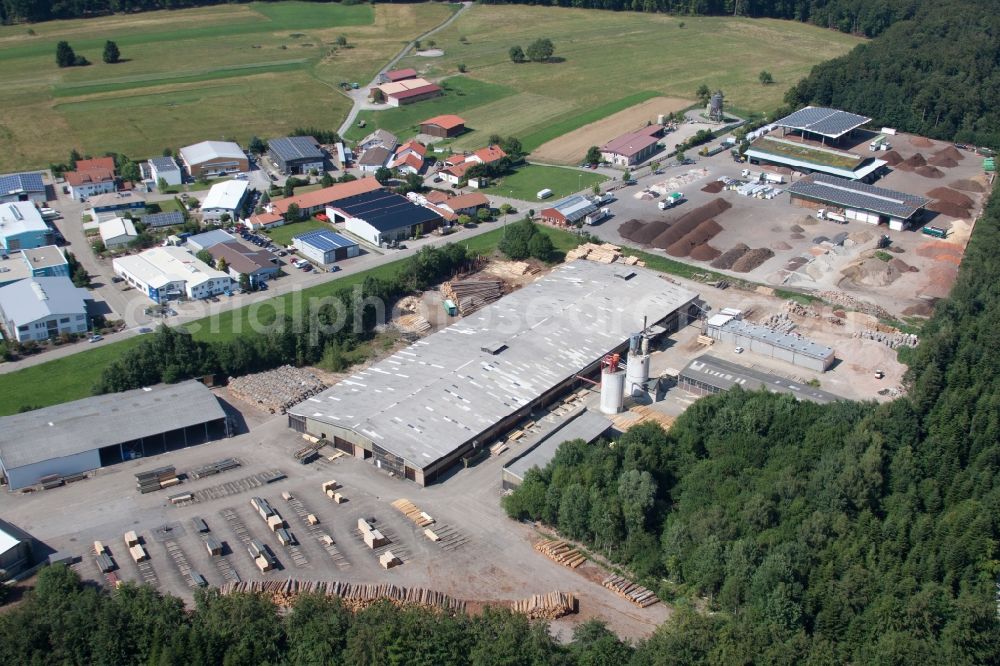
[568,148]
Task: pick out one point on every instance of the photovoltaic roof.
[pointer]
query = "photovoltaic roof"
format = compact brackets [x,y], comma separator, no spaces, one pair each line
[821,120]
[386,211]
[21,182]
[324,240]
[860,196]
[295,148]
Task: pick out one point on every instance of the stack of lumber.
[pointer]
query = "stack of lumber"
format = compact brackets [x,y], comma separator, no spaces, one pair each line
[410,510]
[155,479]
[371,536]
[559,551]
[262,506]
[387,560]
[217,467]
[512,270]
[413,323]
[706,340]
[629,591]
[276,390]
[138,553]
[545,606]
[647,413]
[472,294]
[356,596]
[602,254]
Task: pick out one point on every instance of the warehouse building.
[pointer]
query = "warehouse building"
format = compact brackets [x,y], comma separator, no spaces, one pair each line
[819,123]
[15,550]
[859,201]
[165,168]
[22,226]
[225,198]
[407,91]
[325,247]
[46,261]
[117,232]
[585,425]
[43,307]
[77,437]
[311,203]
[213,159]
[166,273]
[106,206]
[571,211]
[789,347]
[444,127]
[382,218]
[296,154]
[708,375]
[22,187]
[257,264]
[207,239]
[632,148]
[419,411]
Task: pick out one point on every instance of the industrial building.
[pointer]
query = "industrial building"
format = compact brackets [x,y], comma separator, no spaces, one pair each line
[325,247]
[106,206]
[16,550]
[22,187]
[381,217]
[585,425]
[117,232]
[418,412]
[46,261]
[165,273]
[207,239]
[859,201]
[225,198]
[789,347]
[820,123]
[77,437]
[43,307]
[708,375]
[571,211]
[213,159]
[296,154]
[311,203]
[22,226]
[165,168]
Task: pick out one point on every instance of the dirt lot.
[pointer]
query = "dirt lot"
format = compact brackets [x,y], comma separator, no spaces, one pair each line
[568,148]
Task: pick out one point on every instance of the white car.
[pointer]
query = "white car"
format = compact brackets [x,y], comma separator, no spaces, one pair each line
[738,350]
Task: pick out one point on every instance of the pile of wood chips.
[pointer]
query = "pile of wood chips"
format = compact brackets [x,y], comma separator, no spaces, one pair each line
[546,606]
[410,510]
[276,390]
[561,552]
[474,293]
[631,592]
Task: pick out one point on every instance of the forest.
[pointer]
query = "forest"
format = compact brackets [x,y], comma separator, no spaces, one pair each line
[842,533]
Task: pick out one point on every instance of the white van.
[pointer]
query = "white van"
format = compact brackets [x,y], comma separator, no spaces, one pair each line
[544,194]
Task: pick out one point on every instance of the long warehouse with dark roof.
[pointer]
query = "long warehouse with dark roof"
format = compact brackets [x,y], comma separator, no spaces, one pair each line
[77,437]
[859,201]
[456,391]
[381,217]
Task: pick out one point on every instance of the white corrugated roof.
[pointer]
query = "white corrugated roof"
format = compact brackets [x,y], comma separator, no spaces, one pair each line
[18,217]
[115,227]
[160,266]
[225,195]
[207,151]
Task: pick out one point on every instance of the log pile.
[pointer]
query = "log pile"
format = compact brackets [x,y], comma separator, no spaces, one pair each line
[410,510]
[355,596]
[413,323]
[545,606]
[631,592]
[276,390]
[472,294]
[561,552]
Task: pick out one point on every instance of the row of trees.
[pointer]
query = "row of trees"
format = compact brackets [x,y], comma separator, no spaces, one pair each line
[67,57]
[841,533]
[540,50]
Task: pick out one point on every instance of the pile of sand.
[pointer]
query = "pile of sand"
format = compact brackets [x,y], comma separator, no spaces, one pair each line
[780,245]
[704,253]
[942,161]
[649,231]
[714,187]
[795,263]
[951,152]
[752,259]
[860,237]
[929,172]
[949,209]
[921,142]
[700,235]
[951,196]
[628,229]
[873,272]
[730,256]
[967,185]
[892,157]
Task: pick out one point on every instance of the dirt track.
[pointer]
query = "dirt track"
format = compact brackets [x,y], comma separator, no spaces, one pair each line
[572,147]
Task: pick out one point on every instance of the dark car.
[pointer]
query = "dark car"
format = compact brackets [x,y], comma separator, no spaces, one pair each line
[631,181]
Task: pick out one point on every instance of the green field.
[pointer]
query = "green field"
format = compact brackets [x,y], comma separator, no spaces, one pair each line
[283,235]
[814,155]
[608,61]
[525,183]
[228,71]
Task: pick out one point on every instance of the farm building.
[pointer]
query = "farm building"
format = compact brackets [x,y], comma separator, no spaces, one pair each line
[325,247]
[407,91]
[632,148]
[571,211]
[225,198]
[445,126]
[708,375]
[409,157]
[585,425]
[112,204]
[43,307]
[160,220]
[398,75]
[373,159]
[46,261]
[22,187]
[117,232]
[465,204]
[469,383]
[22,226]
[859,201]
[83,435]
[296,154]
[165,168]
[257,264]
[165,273]
[456,166]
[208,239]
[789,347]
[383,217]
[213,159]
[311,203]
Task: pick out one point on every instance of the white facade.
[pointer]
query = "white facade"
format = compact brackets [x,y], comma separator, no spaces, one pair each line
[224,198]
[163,273]
[165,168]
[84,191]
[117,232]
[43,307]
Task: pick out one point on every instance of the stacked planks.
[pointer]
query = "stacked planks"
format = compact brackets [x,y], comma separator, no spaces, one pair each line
[631,592]
[413,323]
[410,510]
[356,596]
[561,552]
[155,479]
[474,293]
[546,606]
[511,270]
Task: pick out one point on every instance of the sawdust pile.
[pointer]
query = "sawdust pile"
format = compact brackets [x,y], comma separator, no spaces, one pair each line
[752,259]
[967,185]
[949,209]
[688,222]
[700,235]
[929,172]
[951,152]
[714,187]
[780,245]
[921,142]
[628,229]
[951,196]
[892,157]
[649,231]
[942,161]
[705,252]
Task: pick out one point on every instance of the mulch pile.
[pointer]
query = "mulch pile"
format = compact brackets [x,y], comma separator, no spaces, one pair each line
[921,142]
[967,185]
[729,257]
[797,236]
[950,152]
[796,229]
[688,222]
[649,231]
[902,266]
[892,157]
[628,229]
[700,235]
[780,245]
[942,161]
[752,259]
[705,253]
[951,196]
[949,209]
[929,172]
[714,187]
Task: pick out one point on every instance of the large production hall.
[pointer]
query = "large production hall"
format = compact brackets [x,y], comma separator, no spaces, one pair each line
[419,411]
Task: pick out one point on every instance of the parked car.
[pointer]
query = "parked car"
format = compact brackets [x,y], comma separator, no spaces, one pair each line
[631,181]
[145,329]
[95,338]
[738,350]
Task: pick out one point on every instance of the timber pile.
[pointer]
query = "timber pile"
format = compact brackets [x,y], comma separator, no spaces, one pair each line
[629,591]
[410,510]
[472,294]
[155,479]
[217,467]
[561,552]
[511,270]
[545,606]
[356,596]
[276,390]
[413,323]
[602,254]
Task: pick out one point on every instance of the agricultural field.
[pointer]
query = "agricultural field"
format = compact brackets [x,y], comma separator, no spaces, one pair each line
[229,71]
[525,183]
[606,62]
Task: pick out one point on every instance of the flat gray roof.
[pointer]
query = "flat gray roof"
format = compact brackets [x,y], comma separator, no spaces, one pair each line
[860,196]
[725,375]
[88,424]
[426,401]
[587,426]
[789,341]
[821,120]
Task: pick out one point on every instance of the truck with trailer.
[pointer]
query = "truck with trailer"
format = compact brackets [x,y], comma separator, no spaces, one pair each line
[670,200]
[824,214]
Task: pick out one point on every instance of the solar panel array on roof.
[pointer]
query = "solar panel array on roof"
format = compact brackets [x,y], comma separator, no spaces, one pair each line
[575,208]
[167,219]
[325,240]
[386,211]
[859,196]
[290,148]
[21,182]
[821,120]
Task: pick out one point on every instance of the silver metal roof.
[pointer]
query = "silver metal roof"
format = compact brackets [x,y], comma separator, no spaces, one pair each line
[426,401]
[860,196]
[821,120]
[575,208]
[789,341]
[36,298]
[725,375]
[587,426]
[103,420]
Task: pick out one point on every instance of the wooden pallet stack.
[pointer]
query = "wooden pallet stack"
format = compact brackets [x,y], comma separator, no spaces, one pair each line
[561,552]
[602,254]
[472,294]
[356,596]
[511,270]
[410,510]
[546,606]
[631,592]
[155,479]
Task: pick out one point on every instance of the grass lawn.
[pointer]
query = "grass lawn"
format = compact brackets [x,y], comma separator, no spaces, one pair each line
[283,235]
[228,71]
[815,155]
[525,183]
[169,205]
